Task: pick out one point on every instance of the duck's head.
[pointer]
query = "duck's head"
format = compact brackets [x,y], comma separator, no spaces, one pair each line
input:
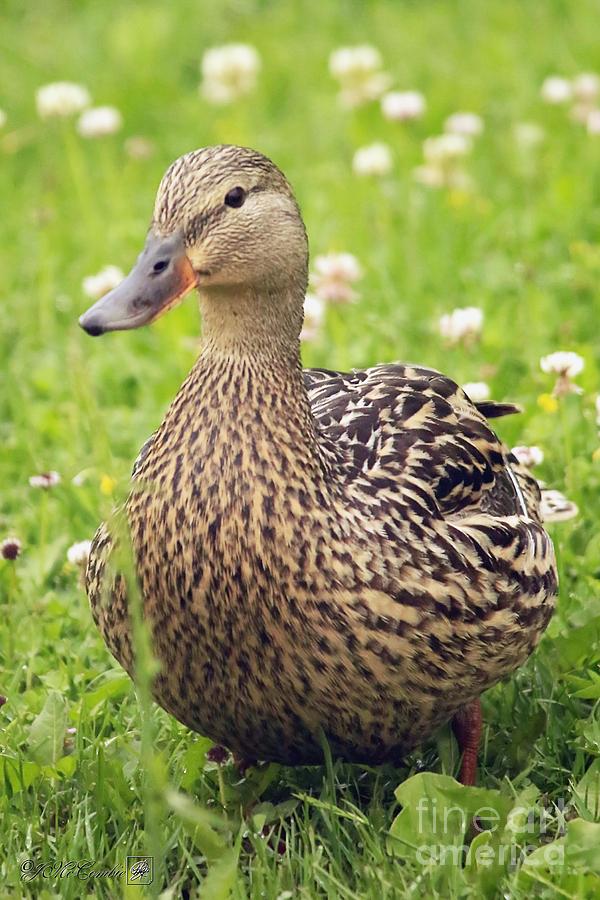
[226,222]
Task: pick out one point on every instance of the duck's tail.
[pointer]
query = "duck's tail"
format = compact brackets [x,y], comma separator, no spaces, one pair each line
[492,410]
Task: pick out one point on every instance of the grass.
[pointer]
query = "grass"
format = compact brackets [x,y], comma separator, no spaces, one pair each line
[523,245]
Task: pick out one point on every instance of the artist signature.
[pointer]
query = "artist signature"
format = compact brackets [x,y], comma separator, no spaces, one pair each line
[82,869]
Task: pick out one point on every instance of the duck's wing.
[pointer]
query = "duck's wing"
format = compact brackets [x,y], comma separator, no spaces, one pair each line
[412,425]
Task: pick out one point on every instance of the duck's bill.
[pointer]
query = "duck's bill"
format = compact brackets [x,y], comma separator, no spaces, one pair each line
[161,277]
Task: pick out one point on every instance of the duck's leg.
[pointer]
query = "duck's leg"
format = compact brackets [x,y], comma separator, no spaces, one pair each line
[466,726]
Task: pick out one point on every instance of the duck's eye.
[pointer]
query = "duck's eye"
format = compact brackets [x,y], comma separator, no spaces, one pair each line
[160,266]
[235,197]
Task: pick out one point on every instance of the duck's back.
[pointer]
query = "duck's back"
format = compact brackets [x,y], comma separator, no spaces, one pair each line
[393,418]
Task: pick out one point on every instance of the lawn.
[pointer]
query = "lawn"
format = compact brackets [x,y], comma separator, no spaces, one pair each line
[89,770]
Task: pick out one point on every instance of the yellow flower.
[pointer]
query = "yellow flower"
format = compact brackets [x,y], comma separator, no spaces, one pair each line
[107,485]
[596,455]
[548,403]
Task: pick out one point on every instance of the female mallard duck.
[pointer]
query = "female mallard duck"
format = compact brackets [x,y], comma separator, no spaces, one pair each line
[353,554]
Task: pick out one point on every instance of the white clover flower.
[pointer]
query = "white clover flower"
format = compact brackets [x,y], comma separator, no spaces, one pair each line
[45,480]
[375,159]
[580,111]
[139,147]
[445,149]
[314,317]
[586,91]
[339,265]
[528,456]
[598,411]
[403,106]
[370,89]
[443,154]
[96,286]
[430,176]
[229,72]
[346,62]
[593,122]
[334,275]
[99,121]
[61,98]
[461,325]
[2,118]
[10,548]
[586,87]
[435,176]
[528,135]
[466,123]
[556,90]
[564,363]
[358,71]
[459,180]
[477,391]
[78,553]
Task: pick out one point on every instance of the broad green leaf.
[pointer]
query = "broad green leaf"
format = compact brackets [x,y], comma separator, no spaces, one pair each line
[203,826]
[449,826]
[582,845]
[544,858]
[576,645]
[17,774]
[222,876]
[589,730]
[115,684]
[65,766]
[492,852]
[587,793]
[47,731]
[268,813]
[437,812]
[579,850]
[261,814]
[587,688]
[193,761]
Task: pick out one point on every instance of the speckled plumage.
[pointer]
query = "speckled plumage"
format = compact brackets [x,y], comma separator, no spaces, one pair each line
[356,553]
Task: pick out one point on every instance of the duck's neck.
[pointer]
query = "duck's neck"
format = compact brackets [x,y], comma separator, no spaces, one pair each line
[254,323]
[246,392]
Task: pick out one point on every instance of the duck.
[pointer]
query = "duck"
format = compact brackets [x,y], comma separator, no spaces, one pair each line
[350,558]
